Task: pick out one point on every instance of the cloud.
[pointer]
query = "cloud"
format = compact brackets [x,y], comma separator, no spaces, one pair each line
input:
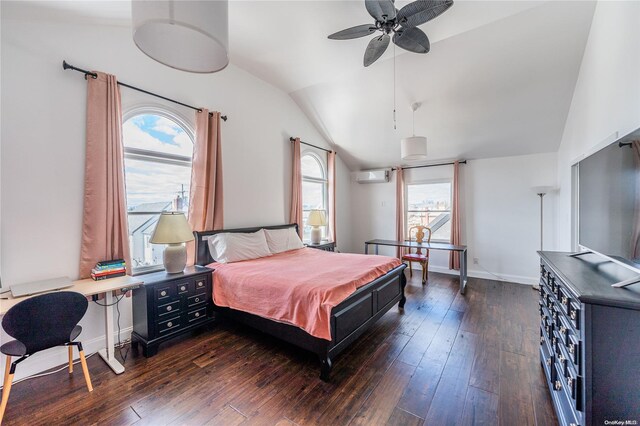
[137,134]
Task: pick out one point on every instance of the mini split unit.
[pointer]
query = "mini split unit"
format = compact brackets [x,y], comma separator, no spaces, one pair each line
[372,176]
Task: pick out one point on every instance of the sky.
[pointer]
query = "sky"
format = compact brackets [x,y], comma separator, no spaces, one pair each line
[149,182]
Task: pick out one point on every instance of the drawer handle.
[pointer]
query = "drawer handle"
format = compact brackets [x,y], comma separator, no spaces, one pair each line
[553,341]
[571,348]
[197,314]
[548,362]
[563,329]
[541,339]
[168,308]
[565,300]
[183,288]
[197,299]
[200,284]
[570,382]
[163,293]
[558,385]
[562,358]
[555,316]
[169,324]
[573,315]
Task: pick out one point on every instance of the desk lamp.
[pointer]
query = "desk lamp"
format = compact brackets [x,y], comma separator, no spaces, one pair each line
[174,230]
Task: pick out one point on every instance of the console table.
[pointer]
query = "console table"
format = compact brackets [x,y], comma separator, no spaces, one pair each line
[427,246]
[589,339]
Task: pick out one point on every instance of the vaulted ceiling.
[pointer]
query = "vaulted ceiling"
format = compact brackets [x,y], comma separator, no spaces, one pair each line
[498,81]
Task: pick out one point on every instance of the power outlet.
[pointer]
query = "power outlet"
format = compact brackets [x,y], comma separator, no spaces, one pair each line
[475,260]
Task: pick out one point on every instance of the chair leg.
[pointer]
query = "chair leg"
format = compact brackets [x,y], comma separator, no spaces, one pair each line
[70,359]
[8,380]
[85,370]
[410,269]
[426,271]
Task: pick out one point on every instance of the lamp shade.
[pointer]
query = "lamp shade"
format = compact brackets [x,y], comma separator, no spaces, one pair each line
[172,228]
[317,218]
[413,148]
[187,35]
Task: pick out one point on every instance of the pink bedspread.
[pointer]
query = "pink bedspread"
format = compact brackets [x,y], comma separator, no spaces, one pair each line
[298,287]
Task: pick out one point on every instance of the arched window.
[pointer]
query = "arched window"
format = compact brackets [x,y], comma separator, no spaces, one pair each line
[314,189]
[158,147]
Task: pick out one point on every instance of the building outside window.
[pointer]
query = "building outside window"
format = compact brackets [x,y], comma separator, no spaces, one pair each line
[429,204]
[158,148]
[314,190]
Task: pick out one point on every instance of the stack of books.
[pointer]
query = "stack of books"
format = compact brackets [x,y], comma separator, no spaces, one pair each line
[109,269]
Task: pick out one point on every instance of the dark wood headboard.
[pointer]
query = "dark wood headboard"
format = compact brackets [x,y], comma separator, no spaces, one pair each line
[203,257]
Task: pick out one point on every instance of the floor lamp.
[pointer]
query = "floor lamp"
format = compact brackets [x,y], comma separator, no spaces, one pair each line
[542,191]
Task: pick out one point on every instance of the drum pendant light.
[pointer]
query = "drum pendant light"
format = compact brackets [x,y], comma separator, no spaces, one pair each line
[187,35]
[414,147]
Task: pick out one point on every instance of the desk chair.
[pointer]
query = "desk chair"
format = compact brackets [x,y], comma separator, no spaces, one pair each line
[418,256]
[39,323]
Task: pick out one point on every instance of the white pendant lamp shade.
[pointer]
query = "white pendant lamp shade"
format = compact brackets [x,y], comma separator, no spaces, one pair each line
[186,35]
[413,148]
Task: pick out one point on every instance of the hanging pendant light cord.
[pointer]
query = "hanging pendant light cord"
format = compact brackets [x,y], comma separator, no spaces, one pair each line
[394,86]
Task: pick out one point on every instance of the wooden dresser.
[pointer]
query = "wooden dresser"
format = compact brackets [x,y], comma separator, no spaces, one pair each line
[168,305]
[590,339]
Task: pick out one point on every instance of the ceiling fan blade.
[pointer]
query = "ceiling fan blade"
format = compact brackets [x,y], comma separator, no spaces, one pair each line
[354,32]
[380,9]
[412,39]
[376,48]
[421,11]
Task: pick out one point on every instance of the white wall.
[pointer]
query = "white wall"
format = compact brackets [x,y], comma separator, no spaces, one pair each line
[606,100]
[42,152]
[500,214]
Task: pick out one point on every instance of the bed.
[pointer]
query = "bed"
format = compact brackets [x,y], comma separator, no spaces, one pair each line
[348,320]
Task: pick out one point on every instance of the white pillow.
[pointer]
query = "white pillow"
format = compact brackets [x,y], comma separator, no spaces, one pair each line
[230,247]
[280,240]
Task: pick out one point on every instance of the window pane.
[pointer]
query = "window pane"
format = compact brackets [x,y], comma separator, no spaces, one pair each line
[151,186]
[156,133]
[430,205]
[311,167]
[312,198]
[429,196]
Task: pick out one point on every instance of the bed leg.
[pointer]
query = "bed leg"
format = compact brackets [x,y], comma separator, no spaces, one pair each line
[325,369]
[403,284]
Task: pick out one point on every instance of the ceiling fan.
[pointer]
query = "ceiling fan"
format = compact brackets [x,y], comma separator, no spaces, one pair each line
[403,23]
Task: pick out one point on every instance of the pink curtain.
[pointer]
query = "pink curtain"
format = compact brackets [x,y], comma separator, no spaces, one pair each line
[104,223]
[331,168]
[399,210]
[635,236]
[295,214]
[205,195]
[454,257]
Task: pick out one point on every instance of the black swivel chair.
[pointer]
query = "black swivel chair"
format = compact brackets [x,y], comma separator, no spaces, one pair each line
[39,323]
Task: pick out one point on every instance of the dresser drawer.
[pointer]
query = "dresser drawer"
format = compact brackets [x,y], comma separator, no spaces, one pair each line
[169,308]
[197,315]
[184,287]
[170,324]
[200,284]
[164,293]
[197,299]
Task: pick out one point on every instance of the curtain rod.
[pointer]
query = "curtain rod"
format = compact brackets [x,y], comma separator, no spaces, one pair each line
[67,66]
[304,143]
[430,165]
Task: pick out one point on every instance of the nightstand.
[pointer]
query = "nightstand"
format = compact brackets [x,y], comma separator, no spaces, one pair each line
[169,305]
[325,245]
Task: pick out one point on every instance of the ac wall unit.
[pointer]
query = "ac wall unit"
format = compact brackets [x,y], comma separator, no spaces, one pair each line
[372,176]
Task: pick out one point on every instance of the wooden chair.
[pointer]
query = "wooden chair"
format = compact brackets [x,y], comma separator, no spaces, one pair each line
[40,323]
[418,256]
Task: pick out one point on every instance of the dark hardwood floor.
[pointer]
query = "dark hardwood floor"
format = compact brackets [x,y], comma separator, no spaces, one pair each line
[446,360]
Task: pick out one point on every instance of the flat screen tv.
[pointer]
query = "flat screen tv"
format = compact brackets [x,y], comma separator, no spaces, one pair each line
[609,203]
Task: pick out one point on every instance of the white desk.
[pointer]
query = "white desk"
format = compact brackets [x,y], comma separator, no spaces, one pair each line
[89,287]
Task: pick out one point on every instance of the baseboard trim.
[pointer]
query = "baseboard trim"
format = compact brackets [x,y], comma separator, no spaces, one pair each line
[56,357]
[518,279]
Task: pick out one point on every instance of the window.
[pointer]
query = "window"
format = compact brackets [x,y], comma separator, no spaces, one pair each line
[157,160]
[429,204]
[314,189]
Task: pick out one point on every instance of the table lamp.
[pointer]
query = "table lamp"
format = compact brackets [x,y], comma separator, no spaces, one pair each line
[174,230]
[316,219]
